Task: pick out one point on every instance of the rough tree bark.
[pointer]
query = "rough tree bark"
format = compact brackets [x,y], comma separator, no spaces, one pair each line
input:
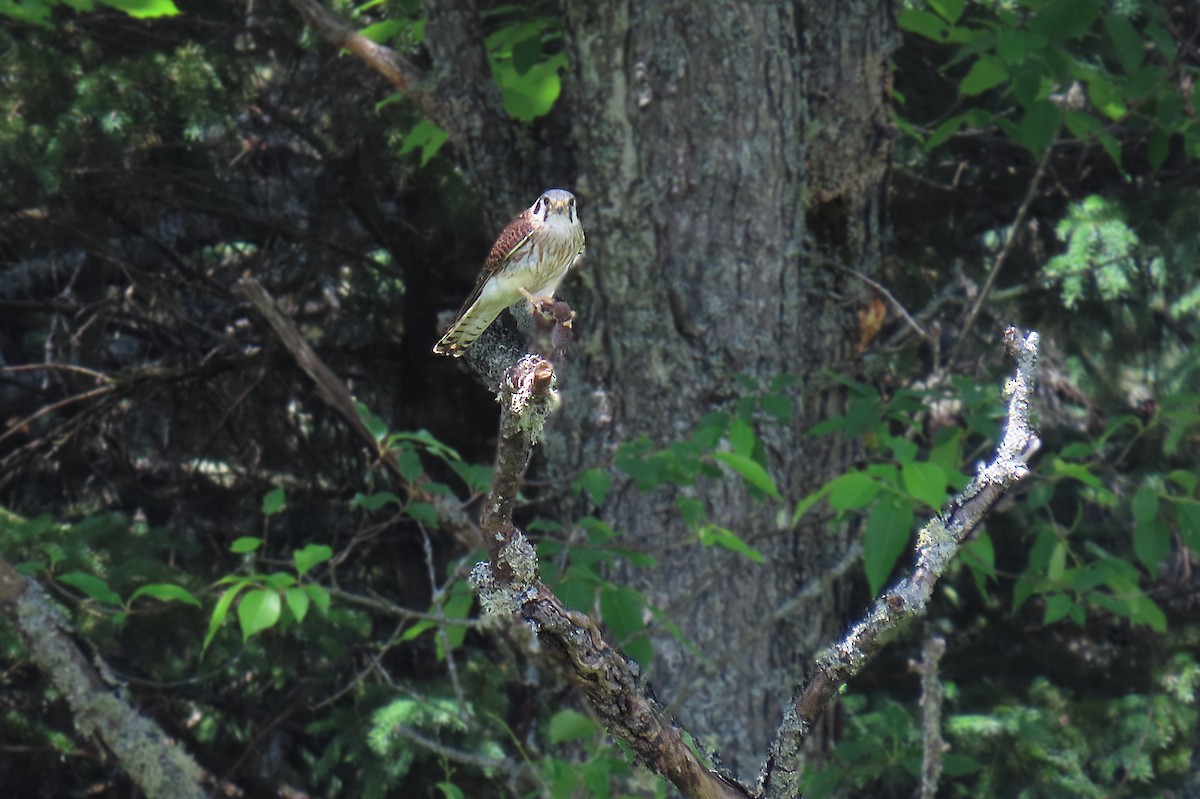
[732,164]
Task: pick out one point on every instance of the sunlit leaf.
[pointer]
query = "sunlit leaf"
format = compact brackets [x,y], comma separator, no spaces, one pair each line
[751,470]
[167,593]
[258,611]
[144,9]
[274,501]
[310,556]
[571,725]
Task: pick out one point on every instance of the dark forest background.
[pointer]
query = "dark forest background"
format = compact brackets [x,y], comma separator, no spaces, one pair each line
[807,226]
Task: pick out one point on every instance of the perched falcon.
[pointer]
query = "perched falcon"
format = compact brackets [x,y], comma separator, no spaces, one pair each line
[528,260]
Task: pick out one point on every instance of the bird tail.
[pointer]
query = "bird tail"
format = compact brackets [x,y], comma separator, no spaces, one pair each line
[462,334]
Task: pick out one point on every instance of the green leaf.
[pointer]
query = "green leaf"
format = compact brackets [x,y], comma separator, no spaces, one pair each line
[596,483]
[259,610]
[31,12]
[297,602]
[458,606]
[1127,42]
[1144,504]
[1184,479]
[985,73]
[924,23]
[450,790]
[1151,542]
[318,595]
[1158,146]
[903,450]
[571,725]
[245,544]
[1163,41]
[1057,565]
[167,593]
[221,610]
[1057,607]
[750,470]
[408,463]
[1106,98]
[375,426]
[475,476]
[373,502]
[925,481]
[851,491]
[950,10]
[1038,126]
[1060,20]
[144,9]
[711,535]
[691,510]
[380,32]
[278,580]
[1188,515]
[274,501]
[889,527]
[310,556]
[93,586]
[944,131]
[1144,611]
[741,437]
[804,505]
[422,512]
[621,609]
[532,94]
[779,406]
[415,631]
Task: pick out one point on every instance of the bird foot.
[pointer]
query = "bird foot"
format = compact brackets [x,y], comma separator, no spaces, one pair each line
[553,317]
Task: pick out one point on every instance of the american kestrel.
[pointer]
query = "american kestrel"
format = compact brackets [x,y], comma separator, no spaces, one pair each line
[528,261]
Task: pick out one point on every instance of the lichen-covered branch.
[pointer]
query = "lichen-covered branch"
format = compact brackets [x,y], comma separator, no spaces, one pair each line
[157,764]
[508,583]
[937,544]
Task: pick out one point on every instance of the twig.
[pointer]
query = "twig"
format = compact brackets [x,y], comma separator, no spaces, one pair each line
[895,303]
[450,753]
[1002,256]
[937,543]
[932,696]
[54,406]
[64,367]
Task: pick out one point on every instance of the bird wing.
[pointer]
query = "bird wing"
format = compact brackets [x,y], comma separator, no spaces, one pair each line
[511,239]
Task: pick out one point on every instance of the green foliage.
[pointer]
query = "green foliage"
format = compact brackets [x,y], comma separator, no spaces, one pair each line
[1050,743]
[524,48]
[41,12]
[1081,64]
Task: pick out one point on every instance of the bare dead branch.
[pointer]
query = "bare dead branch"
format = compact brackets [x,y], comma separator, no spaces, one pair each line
[337,395]
[937,544]
[932,696]
[387,62]
[1001,257]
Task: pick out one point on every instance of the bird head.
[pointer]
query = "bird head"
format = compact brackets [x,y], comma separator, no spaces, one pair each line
[555,201]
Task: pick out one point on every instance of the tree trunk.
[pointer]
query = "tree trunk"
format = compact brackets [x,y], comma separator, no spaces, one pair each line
[732,166]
